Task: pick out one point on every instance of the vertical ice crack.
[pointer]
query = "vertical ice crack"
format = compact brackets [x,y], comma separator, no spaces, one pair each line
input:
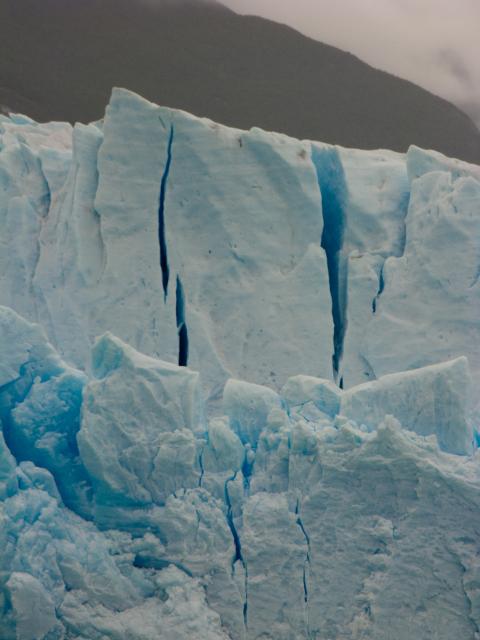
[369,370]
[33,274]
[468,601]
[181,325]
[238,557]
[306,563]
[469,606]
[200,464]
[381,287]
[247,466]
[101,245]
[307,556]
[475,278]
[396,252]
[231,523]
[161,217]
[331,182]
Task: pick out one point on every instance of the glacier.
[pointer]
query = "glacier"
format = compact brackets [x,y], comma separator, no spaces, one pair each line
[238,384]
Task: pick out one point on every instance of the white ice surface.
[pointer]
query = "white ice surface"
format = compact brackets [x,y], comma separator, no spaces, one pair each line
[255,499]
[316,514]
[243,222]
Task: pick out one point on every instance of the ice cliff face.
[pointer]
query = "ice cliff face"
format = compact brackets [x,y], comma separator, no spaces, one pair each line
[245,254]
[318,477]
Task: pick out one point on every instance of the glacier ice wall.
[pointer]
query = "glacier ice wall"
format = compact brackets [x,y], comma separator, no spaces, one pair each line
[262,255]
[307,514]
[318,477]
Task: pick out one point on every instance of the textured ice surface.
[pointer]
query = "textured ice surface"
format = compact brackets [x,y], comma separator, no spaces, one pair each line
[431,293]
[310,514]
[247,255]
[318,477]
[428,400]
[138,422]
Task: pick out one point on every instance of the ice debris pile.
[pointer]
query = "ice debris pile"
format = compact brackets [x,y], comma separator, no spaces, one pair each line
[318,477]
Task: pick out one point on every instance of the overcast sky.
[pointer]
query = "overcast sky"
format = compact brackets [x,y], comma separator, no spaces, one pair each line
[435,43]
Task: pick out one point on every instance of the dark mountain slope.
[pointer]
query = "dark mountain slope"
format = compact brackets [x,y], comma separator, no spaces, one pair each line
[60,58]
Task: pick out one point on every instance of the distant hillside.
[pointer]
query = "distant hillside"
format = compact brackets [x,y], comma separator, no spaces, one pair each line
[60,58]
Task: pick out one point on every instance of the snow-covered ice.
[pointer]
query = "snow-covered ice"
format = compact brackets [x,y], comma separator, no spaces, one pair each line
[313,472]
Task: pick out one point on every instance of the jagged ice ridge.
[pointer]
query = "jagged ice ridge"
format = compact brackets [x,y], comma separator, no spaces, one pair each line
[318,477]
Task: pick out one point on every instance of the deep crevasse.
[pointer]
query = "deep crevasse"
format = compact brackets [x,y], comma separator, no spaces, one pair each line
[142,500]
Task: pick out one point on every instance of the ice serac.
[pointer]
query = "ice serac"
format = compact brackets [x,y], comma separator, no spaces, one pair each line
[431,400]
[306,392]
[253,525]
[431,294]
[248,406]
[138,422]
[61,578]
[40,402]
[33,607]
[234,391]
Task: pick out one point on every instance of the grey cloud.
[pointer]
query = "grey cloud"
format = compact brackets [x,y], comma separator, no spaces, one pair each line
[434,43]
[455,65]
